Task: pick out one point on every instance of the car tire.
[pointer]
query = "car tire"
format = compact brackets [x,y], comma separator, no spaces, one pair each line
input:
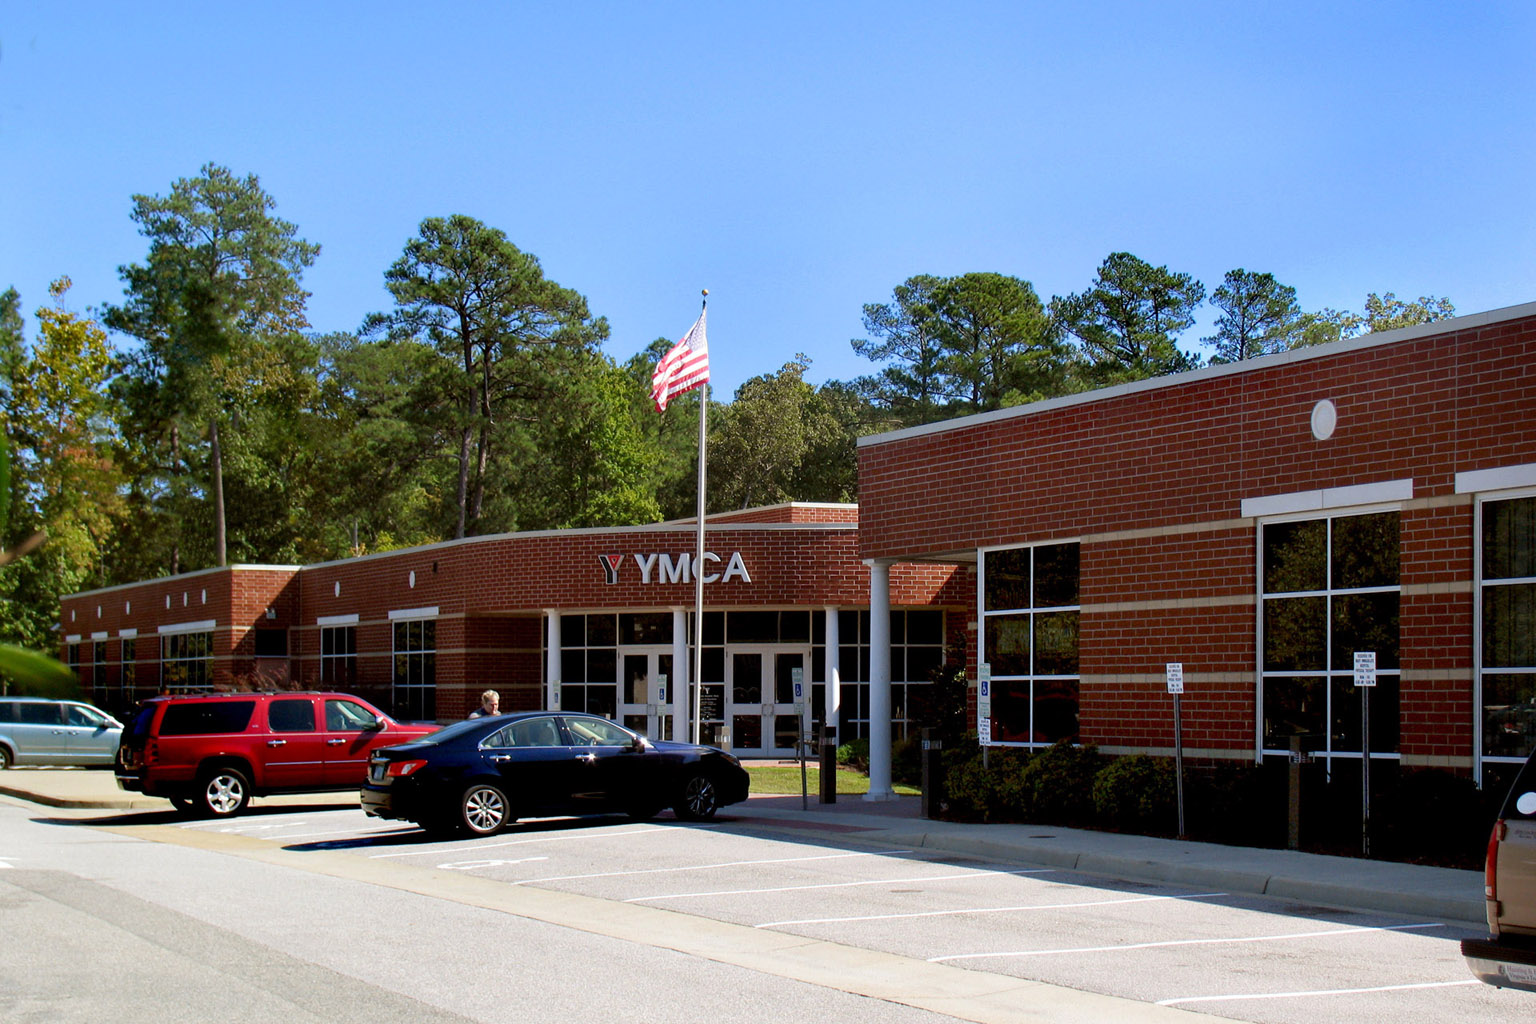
[483,810]
[184,804]
[699,799]
[5,757]
[643,812]
[223,792]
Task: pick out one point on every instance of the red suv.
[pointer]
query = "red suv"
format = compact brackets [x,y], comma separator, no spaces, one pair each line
[209,754]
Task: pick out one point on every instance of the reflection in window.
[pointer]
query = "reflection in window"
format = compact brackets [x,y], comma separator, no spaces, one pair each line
[415,670]
[1507,607]
[1331,588]
[1030,640]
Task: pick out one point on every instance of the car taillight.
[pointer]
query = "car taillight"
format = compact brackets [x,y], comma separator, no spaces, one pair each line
[399,768]
[1490,866]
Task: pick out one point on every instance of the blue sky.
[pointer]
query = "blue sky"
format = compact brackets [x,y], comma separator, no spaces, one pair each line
[797,159]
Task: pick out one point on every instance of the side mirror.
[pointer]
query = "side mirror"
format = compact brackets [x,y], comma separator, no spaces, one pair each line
[1525,803]
[374,726]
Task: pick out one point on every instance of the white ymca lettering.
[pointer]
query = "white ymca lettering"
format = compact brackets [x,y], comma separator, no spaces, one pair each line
[662,568]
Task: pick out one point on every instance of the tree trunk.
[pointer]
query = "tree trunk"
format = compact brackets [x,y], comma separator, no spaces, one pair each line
[216,472]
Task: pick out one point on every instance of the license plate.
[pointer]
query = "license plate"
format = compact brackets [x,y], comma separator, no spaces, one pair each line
[376,773]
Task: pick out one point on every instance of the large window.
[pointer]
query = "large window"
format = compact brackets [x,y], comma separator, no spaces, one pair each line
[1330,589]
[917,648]
[129,646]
[338,656]
[1507,600]
[415,677]
[1029,599]
[186,661]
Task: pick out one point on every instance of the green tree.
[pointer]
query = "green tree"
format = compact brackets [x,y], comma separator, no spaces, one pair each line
[1259,315]
[64,482]
[1127,321]
[505,334]
[999,347]
[904,335]
[758,453]
[1384,312]
[219,289]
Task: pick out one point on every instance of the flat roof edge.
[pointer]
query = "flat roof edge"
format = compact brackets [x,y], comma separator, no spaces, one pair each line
[1401,334]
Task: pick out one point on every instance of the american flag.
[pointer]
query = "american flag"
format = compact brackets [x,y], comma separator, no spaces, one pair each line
[683,368]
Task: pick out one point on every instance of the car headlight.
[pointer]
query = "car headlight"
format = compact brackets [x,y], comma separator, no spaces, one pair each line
[731,759]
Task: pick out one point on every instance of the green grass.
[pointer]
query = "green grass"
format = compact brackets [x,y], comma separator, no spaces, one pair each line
[784,780]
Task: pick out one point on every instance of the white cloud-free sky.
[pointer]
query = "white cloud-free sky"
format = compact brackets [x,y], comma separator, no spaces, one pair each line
[797,159]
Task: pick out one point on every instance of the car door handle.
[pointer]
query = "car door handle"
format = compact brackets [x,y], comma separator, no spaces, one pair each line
[334,743]
[501,758]
[588,758]
[277,743]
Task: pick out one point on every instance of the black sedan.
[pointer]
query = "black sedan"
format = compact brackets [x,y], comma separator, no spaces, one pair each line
[481,775]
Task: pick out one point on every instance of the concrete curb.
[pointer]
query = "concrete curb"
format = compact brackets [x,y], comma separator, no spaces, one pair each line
[1343,891]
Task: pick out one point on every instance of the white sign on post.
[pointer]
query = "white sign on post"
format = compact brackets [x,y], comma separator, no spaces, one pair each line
[1365,668]
[661,687]
[1175,677]
[984,703]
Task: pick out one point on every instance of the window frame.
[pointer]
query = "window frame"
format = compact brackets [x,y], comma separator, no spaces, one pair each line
[1327,673]
[1479,587]
[1031,678]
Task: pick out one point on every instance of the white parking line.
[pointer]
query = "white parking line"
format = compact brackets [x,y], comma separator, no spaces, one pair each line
[698,867]
[517,842]
[834,885]
[984,910]
[1192,942]
[1318,992]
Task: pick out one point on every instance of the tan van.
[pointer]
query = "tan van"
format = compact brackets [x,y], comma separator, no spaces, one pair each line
[1507,958]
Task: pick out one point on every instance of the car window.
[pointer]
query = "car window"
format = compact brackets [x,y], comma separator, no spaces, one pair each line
[39,713]
[348,716]
[75,714]
[597,732]
[202,718]
[7,711]
[531,732]
[1521,802]
[291,715]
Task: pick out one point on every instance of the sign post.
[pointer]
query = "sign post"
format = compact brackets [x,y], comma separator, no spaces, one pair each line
[1176,687]
[1365,681]
[984,708]
[802,729]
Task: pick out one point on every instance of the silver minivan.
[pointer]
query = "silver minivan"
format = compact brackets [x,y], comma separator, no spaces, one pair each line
[35,730]
[1507,958]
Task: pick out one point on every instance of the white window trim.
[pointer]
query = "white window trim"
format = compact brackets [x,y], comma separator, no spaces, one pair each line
[1327,499]
[1500,479]
[128,634]
[202,626]
[1478,479]
[344,620]
[413,613]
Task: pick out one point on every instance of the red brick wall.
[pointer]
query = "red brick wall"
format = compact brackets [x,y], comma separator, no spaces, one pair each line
[1182,454]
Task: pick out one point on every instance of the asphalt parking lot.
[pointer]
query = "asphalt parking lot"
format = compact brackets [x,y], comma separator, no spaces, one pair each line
[1230,954]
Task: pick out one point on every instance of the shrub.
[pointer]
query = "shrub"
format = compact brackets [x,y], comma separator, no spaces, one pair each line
[1136,793]
[854,754]
[1056,784]
[907,761]
[972,782]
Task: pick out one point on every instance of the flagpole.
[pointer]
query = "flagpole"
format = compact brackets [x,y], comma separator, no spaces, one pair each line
[698,563]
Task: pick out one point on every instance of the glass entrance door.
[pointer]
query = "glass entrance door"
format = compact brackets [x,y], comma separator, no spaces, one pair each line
[642,700]
[761,705]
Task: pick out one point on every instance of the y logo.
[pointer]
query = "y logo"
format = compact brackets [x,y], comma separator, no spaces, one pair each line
[610,564]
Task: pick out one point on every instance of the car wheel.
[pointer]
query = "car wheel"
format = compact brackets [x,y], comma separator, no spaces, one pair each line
[5,758]
[223,792]
[483,809]
[700,799]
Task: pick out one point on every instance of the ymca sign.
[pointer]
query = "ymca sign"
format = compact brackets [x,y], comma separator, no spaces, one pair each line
[664,568]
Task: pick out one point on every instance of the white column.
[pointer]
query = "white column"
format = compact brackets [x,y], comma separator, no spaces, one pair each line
[552,658]
[679,686]
[832,671]
[880,681]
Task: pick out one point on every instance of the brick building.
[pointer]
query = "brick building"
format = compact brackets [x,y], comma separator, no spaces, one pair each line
[422,631]
[1258,523]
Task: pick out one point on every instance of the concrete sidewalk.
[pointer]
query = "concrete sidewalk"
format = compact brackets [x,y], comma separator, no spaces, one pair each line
[1372,885]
